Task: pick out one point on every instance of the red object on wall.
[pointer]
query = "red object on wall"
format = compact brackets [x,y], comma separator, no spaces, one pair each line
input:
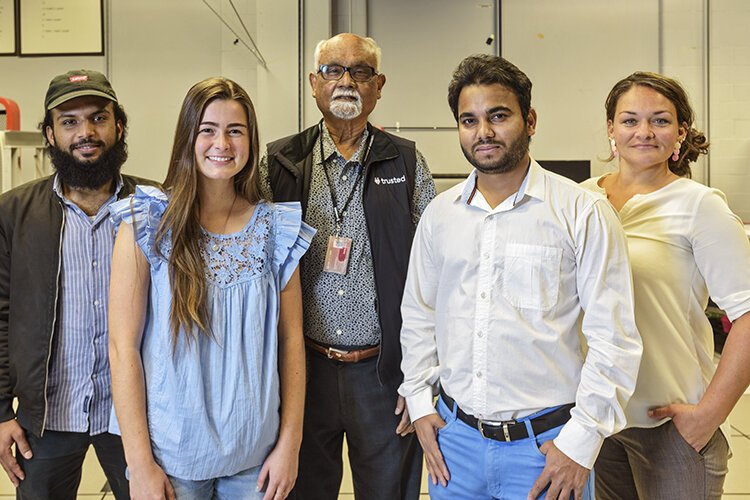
[726,324]
[12,114]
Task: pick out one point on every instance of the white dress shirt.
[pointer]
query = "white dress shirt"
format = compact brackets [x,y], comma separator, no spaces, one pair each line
[493,303]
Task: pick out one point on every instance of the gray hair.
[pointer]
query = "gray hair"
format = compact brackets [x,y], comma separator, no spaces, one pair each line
[370,44]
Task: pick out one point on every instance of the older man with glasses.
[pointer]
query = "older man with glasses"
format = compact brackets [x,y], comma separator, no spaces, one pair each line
[364,190]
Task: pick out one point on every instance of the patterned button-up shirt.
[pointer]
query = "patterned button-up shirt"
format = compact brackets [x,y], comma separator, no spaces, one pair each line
[342,310]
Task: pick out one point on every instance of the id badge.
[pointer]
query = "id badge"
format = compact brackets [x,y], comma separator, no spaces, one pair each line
[337,254]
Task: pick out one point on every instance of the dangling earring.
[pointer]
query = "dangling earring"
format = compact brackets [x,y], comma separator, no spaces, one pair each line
[613,146]
[676,152]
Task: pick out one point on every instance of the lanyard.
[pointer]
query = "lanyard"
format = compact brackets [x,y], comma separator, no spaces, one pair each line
[339,214]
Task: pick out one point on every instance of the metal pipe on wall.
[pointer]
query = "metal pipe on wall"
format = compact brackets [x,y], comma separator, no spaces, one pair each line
[706,62]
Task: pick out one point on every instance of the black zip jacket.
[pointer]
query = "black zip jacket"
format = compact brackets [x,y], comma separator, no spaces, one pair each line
[387,212]
[31,223]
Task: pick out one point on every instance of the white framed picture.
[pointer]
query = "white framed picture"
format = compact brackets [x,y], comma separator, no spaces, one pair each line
[8,28]
[61,27]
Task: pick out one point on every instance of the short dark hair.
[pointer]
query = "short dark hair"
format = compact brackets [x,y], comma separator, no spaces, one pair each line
[120,116]
[484,69]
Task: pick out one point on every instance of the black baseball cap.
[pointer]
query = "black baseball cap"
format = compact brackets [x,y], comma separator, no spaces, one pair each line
[78,83]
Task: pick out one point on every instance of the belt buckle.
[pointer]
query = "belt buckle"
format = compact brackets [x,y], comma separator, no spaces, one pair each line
[506,432]
[504,425]
[333,353]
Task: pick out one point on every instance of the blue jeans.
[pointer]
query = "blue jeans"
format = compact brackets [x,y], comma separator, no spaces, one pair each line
[482,468]
[241,486]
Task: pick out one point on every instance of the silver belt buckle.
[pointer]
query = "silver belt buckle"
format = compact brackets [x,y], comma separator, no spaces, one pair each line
[335,353]
[504,425]
[480,428]
[506,432]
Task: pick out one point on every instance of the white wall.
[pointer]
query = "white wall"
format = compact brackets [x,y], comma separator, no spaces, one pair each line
[317,26]
[277,95]
[419,56]
[181,42]
[157,50]
[730,102]
[573,51]
[683,58]
[153,64]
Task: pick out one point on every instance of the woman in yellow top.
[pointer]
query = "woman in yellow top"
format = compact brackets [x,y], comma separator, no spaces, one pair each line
[685,245]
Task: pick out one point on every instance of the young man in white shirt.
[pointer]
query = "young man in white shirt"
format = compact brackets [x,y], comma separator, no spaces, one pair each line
[504,268]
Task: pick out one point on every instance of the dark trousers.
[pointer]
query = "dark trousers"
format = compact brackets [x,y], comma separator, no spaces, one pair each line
[658,464]
[54,472]
[346,398]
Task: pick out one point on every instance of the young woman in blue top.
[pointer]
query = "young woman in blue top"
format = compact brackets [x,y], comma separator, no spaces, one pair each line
[205,316]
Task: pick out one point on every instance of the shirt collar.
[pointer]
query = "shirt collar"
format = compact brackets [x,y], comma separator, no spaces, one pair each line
[330,149]
[58,189]
[532,185]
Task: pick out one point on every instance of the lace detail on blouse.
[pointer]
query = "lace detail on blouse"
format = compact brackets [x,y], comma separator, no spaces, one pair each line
[243,255]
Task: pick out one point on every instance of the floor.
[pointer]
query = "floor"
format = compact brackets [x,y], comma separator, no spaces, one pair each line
[737,486]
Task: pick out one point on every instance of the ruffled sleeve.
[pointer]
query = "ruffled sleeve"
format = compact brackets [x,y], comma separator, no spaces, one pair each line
[293,238]
[143,210]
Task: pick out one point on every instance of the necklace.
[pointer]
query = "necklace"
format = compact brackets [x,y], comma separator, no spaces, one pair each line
[215,246]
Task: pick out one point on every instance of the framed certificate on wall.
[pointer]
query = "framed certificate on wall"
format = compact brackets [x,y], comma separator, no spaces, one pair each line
[61,27]
[7,28]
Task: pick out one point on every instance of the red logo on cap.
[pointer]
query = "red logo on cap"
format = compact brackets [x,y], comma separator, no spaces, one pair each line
[79,78]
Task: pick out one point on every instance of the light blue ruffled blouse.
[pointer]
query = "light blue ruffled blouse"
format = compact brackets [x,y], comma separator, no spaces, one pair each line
[213,405]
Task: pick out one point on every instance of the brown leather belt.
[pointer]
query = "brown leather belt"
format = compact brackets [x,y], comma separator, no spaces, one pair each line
[343,356]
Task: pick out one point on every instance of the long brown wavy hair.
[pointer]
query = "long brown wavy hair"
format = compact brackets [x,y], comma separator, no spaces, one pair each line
[695,142]
[181,218]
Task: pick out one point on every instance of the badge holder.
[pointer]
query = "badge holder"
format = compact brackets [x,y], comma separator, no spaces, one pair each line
[337,254]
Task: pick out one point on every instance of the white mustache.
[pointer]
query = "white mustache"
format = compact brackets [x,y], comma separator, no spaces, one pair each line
[341,92]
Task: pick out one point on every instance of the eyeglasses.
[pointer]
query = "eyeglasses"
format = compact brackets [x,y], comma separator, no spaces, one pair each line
[361,74]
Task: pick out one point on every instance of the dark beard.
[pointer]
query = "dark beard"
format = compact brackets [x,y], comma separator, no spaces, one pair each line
[513,155]
[88,174]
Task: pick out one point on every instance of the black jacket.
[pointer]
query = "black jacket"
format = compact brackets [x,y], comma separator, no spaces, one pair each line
[387,209]
[31,222]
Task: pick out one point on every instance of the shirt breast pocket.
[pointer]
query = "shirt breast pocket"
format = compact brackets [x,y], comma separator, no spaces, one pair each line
[530,276]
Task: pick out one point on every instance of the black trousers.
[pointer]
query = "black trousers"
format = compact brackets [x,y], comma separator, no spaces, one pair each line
[347,399]
[54,472]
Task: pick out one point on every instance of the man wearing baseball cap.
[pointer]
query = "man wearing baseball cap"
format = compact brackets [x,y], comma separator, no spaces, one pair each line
[56,244]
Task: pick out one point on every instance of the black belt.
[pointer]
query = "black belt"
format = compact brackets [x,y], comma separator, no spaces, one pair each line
[510,430]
